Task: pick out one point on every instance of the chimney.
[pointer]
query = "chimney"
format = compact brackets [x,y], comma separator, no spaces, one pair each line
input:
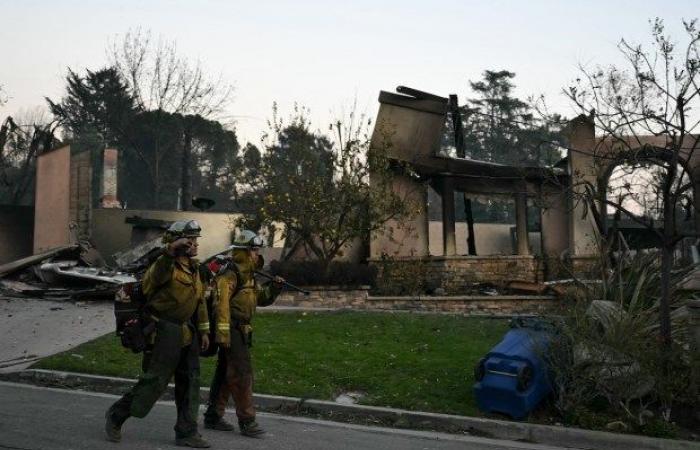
[109,179]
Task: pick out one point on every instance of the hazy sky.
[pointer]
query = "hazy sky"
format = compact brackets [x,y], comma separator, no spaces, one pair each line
[326,54]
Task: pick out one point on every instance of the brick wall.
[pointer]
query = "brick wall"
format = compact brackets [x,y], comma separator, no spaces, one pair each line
[359,299]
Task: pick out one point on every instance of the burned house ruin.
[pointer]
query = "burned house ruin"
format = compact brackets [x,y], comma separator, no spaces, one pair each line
[413,122]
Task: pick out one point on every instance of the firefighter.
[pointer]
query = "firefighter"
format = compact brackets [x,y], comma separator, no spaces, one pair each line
[238,297]
[174,289]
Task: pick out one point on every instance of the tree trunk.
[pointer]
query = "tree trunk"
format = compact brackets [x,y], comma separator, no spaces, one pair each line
[664,306]
[325,268]
[186,183]
[156,187]
[4,133]
[667,247]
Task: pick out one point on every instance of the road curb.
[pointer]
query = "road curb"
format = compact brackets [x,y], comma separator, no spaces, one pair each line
[476,426]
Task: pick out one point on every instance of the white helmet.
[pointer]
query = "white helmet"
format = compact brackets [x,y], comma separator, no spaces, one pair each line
[247,239]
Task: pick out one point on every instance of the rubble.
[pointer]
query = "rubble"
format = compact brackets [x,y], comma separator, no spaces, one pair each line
[528,286]
[564,287]
[15,266]
[489,289]
[691,282]
[74,272]
[137,258]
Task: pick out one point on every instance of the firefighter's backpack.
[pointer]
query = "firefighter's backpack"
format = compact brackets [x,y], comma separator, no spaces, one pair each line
[132,327]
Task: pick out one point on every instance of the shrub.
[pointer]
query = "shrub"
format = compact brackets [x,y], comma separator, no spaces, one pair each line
[401,277]
[313,273]
[609,352]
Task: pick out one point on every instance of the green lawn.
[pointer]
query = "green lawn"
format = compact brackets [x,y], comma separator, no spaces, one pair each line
[419,362]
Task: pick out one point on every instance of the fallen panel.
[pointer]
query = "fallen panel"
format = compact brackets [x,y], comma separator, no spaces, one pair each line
[56,272]
[134,257]
[15,266]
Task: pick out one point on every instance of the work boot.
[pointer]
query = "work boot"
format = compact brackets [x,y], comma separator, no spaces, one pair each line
[113,429]
[194,441]
[218,425]
[251,428]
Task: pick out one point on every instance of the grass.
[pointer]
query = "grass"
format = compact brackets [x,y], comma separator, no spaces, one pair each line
[417,362]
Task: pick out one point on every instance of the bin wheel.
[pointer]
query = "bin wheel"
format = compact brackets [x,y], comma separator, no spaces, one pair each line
[480,369]
[525,376]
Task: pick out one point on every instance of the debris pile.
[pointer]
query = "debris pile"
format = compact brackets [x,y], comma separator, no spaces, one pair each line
[136,259]
[73,272]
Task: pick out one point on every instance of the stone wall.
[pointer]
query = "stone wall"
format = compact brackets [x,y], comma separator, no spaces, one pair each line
[359,299]
[326,297]
[80,199]
[501,305]
[454,274]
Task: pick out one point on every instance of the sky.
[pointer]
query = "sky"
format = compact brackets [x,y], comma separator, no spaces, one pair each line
[328,55]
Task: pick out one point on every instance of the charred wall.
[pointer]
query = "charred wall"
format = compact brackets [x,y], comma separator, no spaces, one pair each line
[16,232]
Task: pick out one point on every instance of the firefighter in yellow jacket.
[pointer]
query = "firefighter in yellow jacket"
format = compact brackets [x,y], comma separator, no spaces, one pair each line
[238,296]
[175,292]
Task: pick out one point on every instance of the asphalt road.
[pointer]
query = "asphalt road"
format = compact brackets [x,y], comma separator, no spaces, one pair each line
[33,418]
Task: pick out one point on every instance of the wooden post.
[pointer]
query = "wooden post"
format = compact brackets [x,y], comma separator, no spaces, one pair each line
[448,217]
[521,224]
[471,240]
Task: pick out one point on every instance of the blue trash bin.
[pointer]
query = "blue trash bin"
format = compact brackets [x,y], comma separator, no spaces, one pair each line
[513,378]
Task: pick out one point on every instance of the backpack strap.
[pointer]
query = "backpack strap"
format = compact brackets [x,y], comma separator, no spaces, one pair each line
[232,266]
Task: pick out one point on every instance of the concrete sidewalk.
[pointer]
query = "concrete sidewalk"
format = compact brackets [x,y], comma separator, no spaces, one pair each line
[389,417]
[35,328]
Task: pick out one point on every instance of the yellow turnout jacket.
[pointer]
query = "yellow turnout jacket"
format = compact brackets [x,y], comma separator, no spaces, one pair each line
[239,295]
[175,290]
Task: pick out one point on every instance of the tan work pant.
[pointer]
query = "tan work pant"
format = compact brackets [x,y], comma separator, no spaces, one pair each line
[233,378]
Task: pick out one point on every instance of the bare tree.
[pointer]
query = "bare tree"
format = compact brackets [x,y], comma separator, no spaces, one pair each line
[3,95]
[646,114]
[21,141]
[163,81]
